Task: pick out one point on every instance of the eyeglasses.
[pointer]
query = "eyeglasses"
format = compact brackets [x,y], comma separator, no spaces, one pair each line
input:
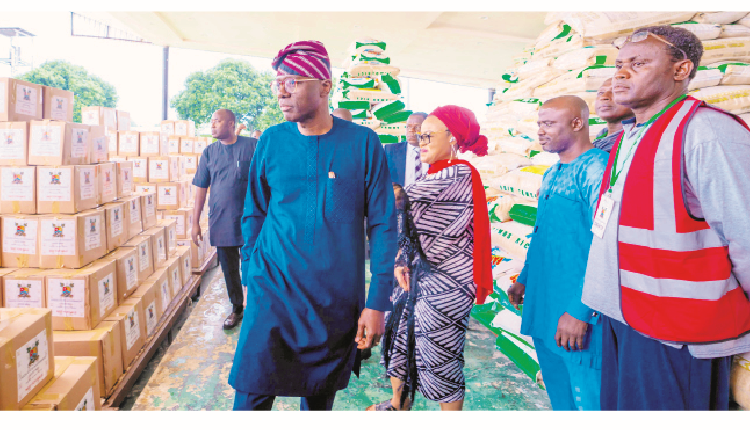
[643,35]
[425,138]
[289,84]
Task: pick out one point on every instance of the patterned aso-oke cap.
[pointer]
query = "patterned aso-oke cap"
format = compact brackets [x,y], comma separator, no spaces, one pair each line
[306,58]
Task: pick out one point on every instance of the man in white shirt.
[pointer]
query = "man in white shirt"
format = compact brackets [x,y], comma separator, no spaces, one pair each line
[403,158]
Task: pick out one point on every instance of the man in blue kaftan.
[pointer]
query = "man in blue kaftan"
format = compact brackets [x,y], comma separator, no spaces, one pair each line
[312,182]
[566,335]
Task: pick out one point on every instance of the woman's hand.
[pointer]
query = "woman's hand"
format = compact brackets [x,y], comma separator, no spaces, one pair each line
[402,276]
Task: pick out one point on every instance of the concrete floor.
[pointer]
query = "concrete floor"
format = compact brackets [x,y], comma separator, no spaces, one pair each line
[191,373]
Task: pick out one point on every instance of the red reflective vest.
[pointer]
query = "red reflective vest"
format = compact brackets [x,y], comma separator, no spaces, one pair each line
[676,280]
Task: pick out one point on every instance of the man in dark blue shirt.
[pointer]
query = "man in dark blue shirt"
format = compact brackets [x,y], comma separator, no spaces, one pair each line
[223,166]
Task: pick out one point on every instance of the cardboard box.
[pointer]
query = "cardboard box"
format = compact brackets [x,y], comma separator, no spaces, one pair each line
[174,265]
[183,218]
[18,190]
[170,230]
[184,128]
[116,233]
[159,281]
[140,169]
[103,343]
[201,143]
[187,270]
[3,273]
[26,349]
[167,127]
[14,143]
[132,330]
[123,120]
[58,143]
[148,210]
[99,144]
[151,144]
[145,255]
[107,186]
[112,141]
[145,188]
[75,387]
[72,241]
[99,115]
[179,166]
[196,252]
[191,166]
[158,244]
[57,104]
[147,301]
[187,145]
[20,100]
[163,169]
[133,217]
[124,178]
[126,259]
[128,143]
[20,246]
[24,289]
[174,145]
[170,195]
[80,299]
[66,189]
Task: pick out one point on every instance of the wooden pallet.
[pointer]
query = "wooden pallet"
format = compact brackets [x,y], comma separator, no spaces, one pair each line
[176,308]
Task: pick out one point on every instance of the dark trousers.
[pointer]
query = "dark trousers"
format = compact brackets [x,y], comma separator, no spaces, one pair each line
[255,402]
[229,259]
[639,373]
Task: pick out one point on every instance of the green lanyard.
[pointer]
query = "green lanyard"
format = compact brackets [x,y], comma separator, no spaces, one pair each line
[638,137]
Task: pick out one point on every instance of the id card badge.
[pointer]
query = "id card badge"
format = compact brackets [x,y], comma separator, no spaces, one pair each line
[606,204]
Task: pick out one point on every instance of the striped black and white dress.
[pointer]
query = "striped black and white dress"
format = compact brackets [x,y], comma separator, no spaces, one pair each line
[442,210]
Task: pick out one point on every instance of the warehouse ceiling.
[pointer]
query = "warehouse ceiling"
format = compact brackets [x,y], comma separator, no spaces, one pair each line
[463,48]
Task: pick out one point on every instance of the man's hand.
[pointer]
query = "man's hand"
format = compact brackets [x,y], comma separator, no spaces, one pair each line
[571,330]
[516,293]
[196,233]
[239,129]
[370,328]
[402,276]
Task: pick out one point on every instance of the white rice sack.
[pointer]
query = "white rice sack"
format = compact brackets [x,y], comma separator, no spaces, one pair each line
[746,117]
[725,50]
[734,30]
[705,76]
[533,67]
[527,128]
[718,17]
[524,182]
[369,123]
[745,21]
[589,79]
[702,31]
[520,145]
[512,236]
[498,207]
[364,43]
[735,73]
[558,47]
[491,192]
[524,89]
[368,70]
[584,57]
[545,158]
[372,96]
[396,129]
[507,160]
[732,98]
[554,31]
[510,322]
[524,109]
[607,26]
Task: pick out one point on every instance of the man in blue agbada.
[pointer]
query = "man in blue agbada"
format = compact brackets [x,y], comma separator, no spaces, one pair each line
[312,181]
[566,333]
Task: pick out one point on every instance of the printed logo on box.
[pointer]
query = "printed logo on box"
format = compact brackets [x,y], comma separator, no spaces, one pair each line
[86,178]
[106,296]
[107,176]
[67,290]
[92,236]
[55,178]
[20,236]
[17,178]
[15,188]
[24,291]
[92,222]
[23,294]
[21,229]
[133,331]
[164,296]
[150,318]
[58,230]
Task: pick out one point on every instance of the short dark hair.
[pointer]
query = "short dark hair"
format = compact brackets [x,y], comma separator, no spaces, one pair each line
[422,114]
[231,114]
[681,38]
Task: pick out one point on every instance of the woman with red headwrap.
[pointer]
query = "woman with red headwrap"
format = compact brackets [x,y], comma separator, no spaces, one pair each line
[442,267]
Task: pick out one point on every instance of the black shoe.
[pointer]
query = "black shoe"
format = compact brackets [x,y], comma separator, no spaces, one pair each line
[232,320]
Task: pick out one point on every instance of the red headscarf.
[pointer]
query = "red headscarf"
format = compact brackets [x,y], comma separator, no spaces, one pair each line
[464,127]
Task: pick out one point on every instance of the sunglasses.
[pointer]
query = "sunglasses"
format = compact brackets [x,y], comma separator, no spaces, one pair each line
[643,35]
[289,84]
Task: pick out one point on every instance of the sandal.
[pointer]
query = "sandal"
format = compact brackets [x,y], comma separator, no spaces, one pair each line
[384,406]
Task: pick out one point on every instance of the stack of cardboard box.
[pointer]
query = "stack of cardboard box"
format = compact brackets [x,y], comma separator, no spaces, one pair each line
[77,246]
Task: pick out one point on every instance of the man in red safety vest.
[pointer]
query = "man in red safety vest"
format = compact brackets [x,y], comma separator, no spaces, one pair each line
[669,265]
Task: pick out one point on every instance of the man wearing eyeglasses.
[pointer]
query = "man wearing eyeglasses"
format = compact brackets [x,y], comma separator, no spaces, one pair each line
[404,162]
[312,182]
[669,266]
[223,167]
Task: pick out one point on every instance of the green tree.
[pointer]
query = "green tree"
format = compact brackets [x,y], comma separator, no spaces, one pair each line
[231,84]
[89,90]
